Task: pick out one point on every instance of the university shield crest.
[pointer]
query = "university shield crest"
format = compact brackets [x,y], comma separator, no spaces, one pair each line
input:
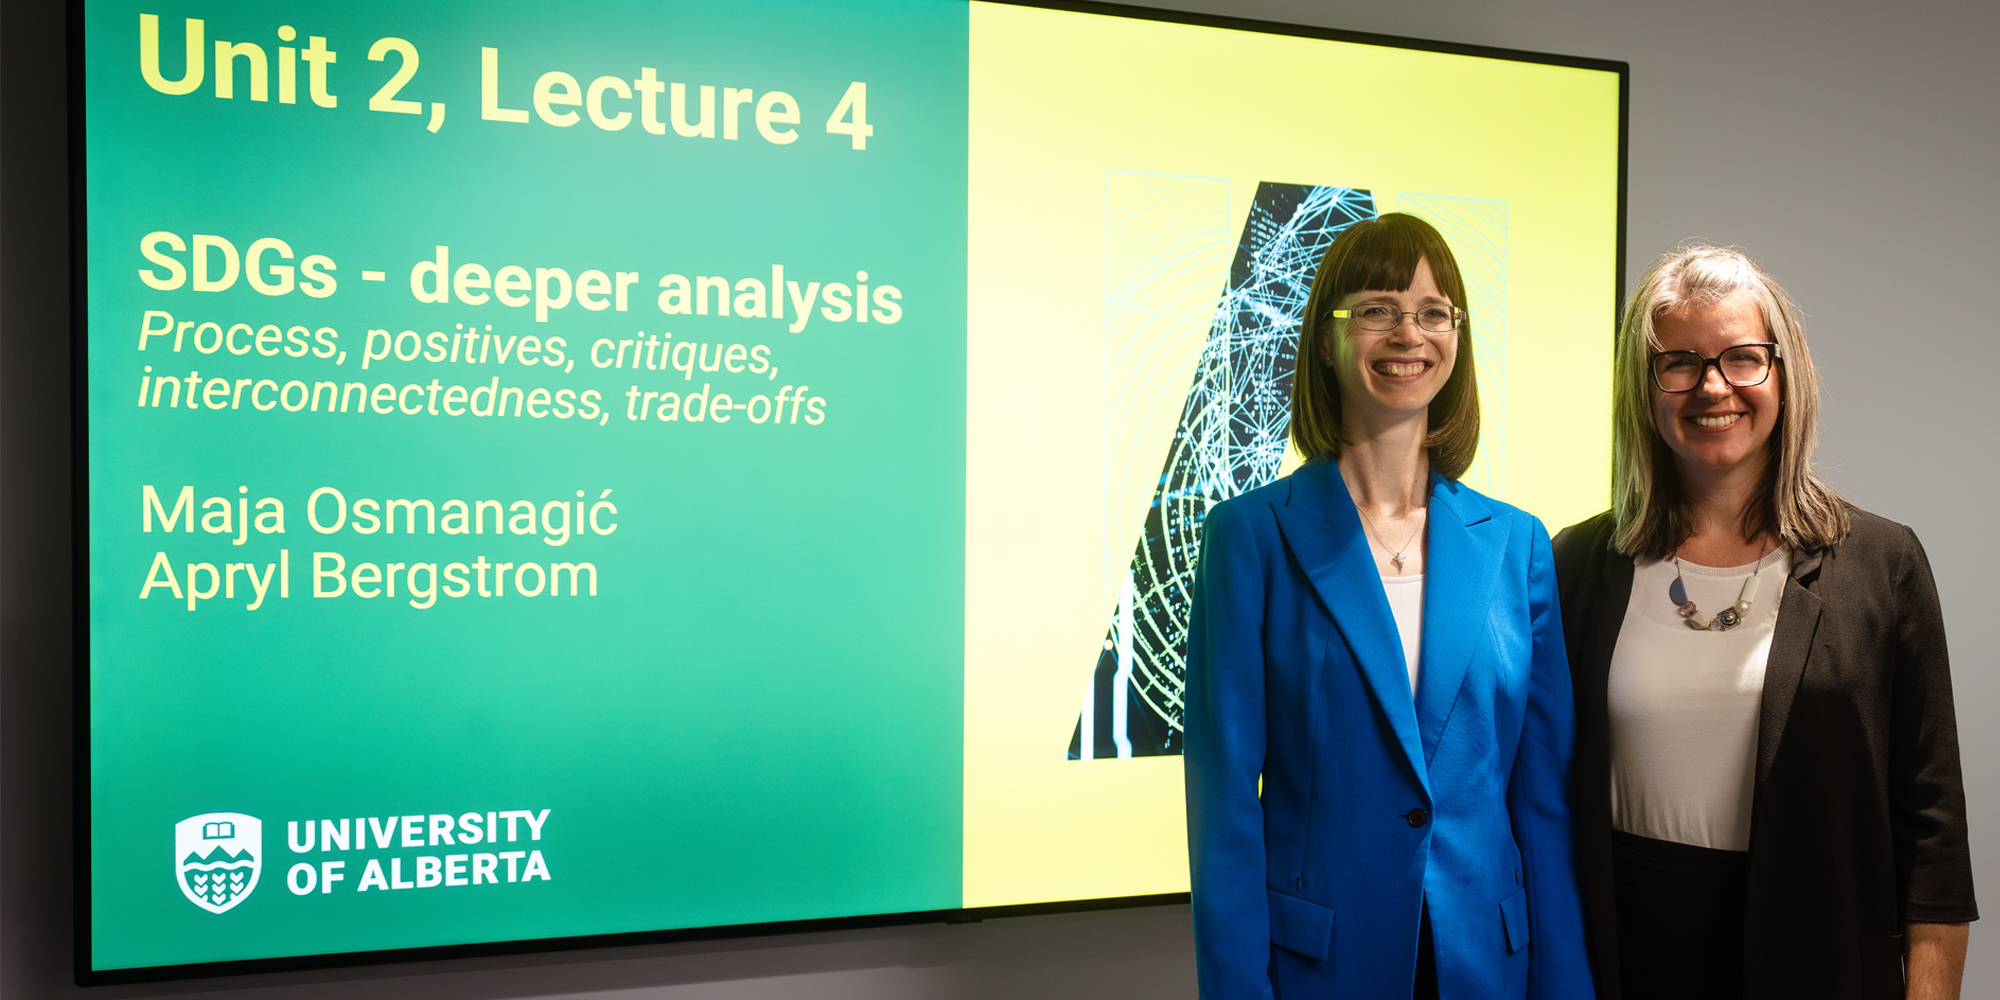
[217,857]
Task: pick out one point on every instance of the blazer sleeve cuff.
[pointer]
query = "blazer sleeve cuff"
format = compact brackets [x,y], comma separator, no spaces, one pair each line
[1940,913]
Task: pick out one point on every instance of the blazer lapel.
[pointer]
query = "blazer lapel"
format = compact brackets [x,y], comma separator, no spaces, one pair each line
[1791,645]
[1460,564]
[1604,615]
[1324,533]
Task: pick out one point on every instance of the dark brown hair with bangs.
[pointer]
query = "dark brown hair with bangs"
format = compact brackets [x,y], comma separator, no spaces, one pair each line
[1381,255]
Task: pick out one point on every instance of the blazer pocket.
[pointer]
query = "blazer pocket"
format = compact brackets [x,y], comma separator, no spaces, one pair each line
[1514,917]
[1301,925]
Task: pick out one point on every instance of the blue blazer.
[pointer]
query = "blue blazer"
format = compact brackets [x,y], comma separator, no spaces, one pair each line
[1327,807]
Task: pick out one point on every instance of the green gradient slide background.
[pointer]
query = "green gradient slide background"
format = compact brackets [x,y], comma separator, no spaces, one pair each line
[758,718]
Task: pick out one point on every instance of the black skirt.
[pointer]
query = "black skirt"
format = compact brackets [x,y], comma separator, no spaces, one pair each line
[1426,985]
[1680,919]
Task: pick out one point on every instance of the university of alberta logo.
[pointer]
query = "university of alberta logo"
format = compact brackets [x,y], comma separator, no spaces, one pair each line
[217,857]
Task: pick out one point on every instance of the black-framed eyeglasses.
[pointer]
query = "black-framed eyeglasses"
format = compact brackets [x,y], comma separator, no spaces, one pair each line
[1742,366]
[1381,317]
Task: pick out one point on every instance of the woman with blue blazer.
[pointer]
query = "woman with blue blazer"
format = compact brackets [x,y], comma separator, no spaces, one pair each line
[1378,708]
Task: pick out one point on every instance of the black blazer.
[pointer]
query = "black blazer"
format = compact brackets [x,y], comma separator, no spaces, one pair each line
[1857,822]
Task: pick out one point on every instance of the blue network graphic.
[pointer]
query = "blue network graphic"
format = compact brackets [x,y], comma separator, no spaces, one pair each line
[1231,438]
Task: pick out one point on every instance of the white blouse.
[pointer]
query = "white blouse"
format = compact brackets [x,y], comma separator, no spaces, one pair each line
[1684,704]
[1406,602]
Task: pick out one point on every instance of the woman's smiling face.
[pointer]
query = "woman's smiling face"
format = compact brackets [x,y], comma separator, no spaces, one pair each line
[1717,428]
[1394,373]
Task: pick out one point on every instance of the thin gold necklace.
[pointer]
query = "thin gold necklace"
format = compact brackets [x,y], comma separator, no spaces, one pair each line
[1395,556]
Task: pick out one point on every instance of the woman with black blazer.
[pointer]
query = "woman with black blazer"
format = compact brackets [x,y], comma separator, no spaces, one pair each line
[1767,780]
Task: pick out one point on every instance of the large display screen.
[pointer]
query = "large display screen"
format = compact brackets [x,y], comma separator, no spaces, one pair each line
[560,472]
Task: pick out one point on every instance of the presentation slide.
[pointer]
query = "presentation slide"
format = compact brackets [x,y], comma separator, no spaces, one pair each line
[624,467]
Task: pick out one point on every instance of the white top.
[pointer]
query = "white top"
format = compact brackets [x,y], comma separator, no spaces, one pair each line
[1406,602]
[1684,704]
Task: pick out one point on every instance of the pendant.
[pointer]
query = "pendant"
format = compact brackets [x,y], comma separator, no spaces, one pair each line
[1397,561]
[1724,620]
[1695,619]
[1728,618]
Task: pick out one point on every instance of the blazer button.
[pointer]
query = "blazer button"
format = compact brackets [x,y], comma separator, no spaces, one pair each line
[1417,816]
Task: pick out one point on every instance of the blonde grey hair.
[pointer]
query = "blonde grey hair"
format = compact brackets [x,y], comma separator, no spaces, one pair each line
[1651,512]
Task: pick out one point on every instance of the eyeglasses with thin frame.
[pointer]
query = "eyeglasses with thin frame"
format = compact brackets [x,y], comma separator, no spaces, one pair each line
[1743,366]
[1381,317]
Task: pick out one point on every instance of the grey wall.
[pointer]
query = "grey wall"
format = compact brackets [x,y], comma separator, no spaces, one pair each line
[1850,146]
